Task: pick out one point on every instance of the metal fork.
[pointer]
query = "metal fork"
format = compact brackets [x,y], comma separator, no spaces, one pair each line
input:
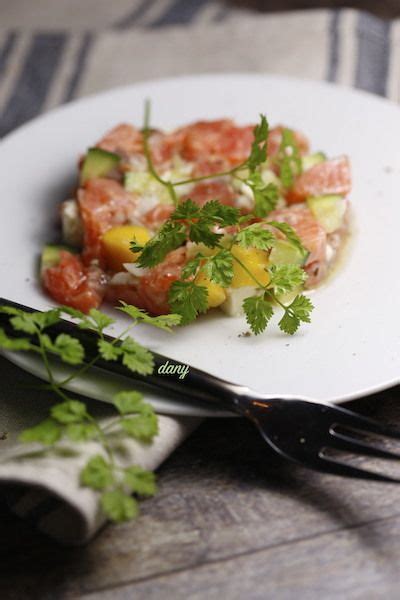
[299,430]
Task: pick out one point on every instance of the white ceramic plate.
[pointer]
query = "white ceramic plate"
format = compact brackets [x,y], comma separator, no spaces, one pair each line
[352,346]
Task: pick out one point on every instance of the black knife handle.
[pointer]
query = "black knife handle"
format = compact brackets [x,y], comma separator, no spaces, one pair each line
[196,384]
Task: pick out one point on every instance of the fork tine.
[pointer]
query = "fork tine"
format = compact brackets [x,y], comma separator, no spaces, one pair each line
[344,442]
[327,465]
[344,417]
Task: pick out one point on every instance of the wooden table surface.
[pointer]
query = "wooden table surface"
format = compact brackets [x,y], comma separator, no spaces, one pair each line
[230,520]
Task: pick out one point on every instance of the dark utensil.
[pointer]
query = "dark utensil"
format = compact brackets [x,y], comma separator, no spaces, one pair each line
[298,429]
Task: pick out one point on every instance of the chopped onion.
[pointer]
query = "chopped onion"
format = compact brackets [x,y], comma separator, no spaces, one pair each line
[122,278]
[133,269]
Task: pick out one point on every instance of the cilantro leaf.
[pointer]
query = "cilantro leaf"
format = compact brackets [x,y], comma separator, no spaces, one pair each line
[299,310]
[289,323]
[129,402]
[290,235]
[69,349]
[255,236]
[140,481]
[219,268]
[137,358]
[13,343]
[165,322]
[81,432]
[97,473]
[258,153]
[186,210]
[188,300]
[258,313]
[219,213]
[108,351]
[47,432]
[95,321]
[302,307]
[24,322]
[142,427]
[70,411]
[261,130]
[171,235]
[265,194]
[192,266]
[201,232]
[32,322]
[285,278]
[119,507]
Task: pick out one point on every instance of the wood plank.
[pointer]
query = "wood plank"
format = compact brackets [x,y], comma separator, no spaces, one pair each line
[360,562]
[222,495]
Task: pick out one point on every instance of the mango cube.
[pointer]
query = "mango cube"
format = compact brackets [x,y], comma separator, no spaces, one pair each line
[116,244]
[255,261]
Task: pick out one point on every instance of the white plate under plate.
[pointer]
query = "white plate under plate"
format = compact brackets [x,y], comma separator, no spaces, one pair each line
[352,346]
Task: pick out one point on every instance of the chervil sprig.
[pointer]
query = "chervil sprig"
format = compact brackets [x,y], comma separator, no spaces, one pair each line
[188,222]
[248,172]
[204,226]
[70,420]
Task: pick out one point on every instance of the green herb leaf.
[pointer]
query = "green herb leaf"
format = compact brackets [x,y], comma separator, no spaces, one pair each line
[95,321]
[129,402]
[140,481]
[255,236]
[258,313]
[69,349]
[108,351]
[220,214]
[192,266]
[285,278]
[188,300]
[71,411]
[265,194]
[25,322]
[171,235]
[13,343]
[81,432]
[299,310]
[97,474]
[258,153]
[165,322]
[186,211]
[219,268]
[289,323]
[142,427]
[119,507]
[201,232]
[302,308]
[47,432]
[137,358]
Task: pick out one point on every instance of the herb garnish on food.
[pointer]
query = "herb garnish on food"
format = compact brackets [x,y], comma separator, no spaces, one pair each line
[202,225]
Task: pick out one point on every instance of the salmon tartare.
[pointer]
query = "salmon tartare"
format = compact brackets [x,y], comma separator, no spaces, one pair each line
[119,198]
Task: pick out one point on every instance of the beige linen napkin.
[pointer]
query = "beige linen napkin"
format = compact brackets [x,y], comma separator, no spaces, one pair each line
[48,490]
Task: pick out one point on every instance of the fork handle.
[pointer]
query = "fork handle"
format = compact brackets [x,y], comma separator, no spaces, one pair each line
[168,373]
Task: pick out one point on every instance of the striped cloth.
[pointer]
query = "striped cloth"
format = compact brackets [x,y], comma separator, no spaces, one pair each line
[67,49]
[40,70]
